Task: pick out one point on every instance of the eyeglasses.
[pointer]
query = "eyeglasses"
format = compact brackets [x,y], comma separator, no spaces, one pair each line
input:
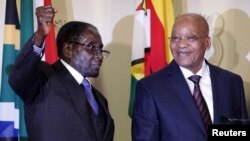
[94,50]
[187,38]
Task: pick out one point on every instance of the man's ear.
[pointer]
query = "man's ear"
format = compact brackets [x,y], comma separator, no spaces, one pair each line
[208,43]
[67,50]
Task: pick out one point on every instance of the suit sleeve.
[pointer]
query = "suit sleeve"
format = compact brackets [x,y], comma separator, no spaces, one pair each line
[23,77]
[145,124]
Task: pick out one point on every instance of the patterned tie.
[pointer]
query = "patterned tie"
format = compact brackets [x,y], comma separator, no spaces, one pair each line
[200,101]
[90,96]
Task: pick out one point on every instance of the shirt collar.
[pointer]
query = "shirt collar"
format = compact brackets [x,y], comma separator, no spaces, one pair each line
[202,72]
[78,77]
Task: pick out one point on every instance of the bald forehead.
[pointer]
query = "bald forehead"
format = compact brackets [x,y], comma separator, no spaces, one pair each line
[193,16]
[196,18]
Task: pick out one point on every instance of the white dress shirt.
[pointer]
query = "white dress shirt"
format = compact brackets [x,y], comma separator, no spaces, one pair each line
[205,85]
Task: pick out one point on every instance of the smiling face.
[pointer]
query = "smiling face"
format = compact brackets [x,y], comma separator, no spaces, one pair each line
[80,55]
[189,41]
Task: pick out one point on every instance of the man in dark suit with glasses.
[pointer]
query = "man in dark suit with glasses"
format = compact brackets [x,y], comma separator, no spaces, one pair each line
[60,104]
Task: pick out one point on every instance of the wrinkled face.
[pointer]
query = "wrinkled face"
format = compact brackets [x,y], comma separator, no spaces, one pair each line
[189,41]
[80,54]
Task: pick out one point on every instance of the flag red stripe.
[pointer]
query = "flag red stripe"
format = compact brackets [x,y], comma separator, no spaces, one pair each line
[156,57]
[50,42]
[47,2]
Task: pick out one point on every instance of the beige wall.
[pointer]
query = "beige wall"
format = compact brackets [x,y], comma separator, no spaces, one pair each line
[115,23]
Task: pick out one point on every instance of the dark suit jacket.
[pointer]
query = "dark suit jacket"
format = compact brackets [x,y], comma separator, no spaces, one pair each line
[165,110]
[56,108]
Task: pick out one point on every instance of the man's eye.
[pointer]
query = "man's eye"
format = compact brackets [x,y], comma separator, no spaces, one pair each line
[192,38]
[89,45]
[175,38]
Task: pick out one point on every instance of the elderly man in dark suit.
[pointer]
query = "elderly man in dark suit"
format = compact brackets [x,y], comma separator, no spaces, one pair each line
[179,102]
[57,106]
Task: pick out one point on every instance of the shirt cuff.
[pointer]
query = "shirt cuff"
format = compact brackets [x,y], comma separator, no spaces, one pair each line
[39,50]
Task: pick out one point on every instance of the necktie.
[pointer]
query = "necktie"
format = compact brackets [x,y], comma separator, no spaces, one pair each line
[200,101]
[90,96]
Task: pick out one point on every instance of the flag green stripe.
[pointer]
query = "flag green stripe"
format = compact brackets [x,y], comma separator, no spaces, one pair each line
[9,55]
[27,30]
[132,95]
[26,22]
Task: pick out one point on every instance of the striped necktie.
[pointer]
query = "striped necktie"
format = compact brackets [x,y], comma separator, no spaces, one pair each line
[200,101]
[90,96]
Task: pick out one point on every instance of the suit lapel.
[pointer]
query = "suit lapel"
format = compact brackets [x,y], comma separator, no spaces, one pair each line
[217,90]
[104,107]
[182,89]
[77,95]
